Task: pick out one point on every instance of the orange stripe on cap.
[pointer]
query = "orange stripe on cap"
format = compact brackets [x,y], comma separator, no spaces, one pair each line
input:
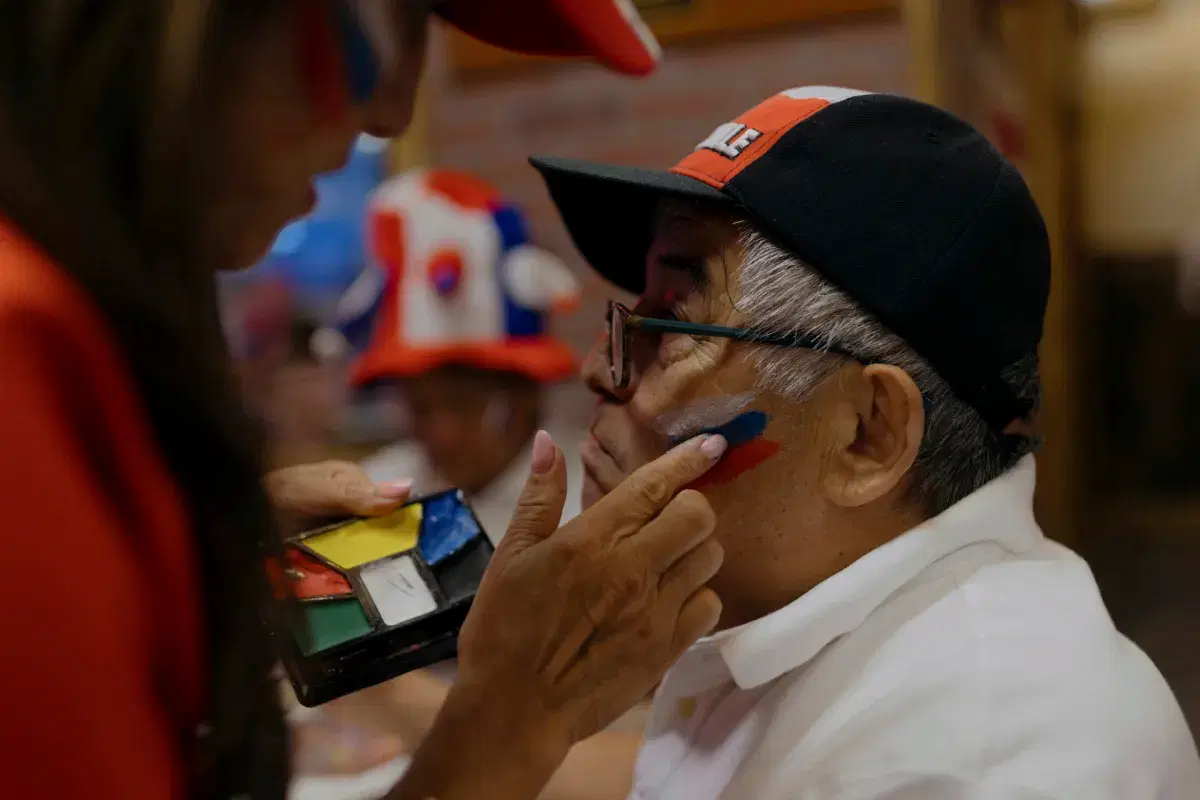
[736,145]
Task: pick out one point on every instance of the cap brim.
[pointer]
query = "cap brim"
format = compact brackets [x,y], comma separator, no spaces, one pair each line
[609,211]
[544,360]
[608,30]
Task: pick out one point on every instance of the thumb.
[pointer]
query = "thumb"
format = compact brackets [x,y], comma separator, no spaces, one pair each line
[376,499]
[349,490]
[332,488]
[541,505]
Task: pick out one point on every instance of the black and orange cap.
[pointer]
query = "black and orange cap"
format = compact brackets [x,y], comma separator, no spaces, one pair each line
[905,207]
[611,31]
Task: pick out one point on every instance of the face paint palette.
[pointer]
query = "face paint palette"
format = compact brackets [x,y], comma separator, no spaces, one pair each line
[378,597]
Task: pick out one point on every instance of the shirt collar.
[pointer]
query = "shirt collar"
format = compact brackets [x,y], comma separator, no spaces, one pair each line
[762,650]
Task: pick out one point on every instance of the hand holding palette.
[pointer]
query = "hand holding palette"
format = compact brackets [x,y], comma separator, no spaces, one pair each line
[380,597]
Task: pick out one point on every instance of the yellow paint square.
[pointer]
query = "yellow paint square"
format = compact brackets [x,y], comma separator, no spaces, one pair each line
[369,540]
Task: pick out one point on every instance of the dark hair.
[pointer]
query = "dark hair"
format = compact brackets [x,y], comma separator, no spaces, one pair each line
[102,108]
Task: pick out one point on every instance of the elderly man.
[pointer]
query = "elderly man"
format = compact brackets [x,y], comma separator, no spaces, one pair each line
[851,287]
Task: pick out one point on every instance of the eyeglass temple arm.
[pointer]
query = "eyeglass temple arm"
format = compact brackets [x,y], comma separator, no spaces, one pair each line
[793,340]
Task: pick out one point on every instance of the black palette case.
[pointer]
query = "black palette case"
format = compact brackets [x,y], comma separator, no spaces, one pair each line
[378,597]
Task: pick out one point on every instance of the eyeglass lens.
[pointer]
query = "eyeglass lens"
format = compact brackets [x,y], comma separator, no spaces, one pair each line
[616,345]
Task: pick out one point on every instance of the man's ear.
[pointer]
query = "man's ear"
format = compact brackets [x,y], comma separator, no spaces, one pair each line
[878,430]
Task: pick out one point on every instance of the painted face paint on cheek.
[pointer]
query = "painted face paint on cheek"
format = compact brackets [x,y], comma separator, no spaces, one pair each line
[742,429]
[747,449]
[736,463]
[702,416]
[727,417]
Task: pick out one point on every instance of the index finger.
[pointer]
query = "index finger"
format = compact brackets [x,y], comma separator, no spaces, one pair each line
[332,488]
[646,492]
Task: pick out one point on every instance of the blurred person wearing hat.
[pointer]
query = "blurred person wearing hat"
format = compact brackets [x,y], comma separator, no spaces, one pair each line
[144,146]
[452,310]
[455,318]
[852,287]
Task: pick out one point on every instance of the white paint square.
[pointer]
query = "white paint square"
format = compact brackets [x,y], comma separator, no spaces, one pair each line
[399,592]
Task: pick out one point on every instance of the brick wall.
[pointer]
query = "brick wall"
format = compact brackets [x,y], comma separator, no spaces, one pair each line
[489,125]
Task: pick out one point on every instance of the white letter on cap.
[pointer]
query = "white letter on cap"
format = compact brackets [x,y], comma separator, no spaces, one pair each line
[730,139]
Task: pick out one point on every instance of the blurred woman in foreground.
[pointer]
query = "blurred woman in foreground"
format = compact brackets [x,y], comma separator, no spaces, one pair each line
[142,146]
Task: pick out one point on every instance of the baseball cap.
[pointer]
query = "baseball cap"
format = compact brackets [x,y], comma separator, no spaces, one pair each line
[905,207]
[611,31]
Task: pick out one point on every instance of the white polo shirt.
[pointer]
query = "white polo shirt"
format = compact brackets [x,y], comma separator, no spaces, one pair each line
[969,658]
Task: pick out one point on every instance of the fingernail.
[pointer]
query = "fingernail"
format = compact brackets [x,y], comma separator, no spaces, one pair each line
[543,452]
[713,446]
[394,490]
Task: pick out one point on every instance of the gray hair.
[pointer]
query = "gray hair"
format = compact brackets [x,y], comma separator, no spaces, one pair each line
[959,452]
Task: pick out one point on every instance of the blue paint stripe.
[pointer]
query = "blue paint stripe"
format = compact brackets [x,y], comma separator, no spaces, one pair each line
[741,429]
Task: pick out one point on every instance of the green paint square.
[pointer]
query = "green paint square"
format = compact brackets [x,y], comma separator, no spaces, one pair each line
[332,622]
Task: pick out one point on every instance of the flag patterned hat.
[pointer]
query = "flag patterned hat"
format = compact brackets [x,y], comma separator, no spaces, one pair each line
[452,278]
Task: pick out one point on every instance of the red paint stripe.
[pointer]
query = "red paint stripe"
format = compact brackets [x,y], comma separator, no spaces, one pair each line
[737,462]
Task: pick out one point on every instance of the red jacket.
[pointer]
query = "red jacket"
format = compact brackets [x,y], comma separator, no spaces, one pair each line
[102,664]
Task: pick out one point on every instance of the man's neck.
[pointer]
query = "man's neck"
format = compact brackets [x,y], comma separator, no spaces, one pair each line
[799,551]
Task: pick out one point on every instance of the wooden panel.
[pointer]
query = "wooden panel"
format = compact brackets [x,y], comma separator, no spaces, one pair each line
[923,19]
[1047,37]
[1038,45]
[678,20]
[1098,10]
[412,149]
[1156,517]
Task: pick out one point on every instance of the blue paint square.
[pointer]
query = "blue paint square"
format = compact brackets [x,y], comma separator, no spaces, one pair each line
[447,526]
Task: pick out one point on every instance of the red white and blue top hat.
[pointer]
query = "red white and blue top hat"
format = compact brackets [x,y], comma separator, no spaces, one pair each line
[452,278]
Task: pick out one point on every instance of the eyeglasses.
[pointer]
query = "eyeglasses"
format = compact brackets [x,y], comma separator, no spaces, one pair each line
[622,323]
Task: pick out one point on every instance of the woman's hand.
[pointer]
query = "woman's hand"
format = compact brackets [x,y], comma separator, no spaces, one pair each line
[607,602]
[572,627]
[331,489]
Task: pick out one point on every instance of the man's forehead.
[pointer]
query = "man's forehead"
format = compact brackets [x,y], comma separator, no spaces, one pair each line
[682,224]
[672,212]
[693,254]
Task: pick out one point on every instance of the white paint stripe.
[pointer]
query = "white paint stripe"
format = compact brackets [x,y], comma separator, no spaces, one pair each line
[710,412]
[639,27]
[833,94]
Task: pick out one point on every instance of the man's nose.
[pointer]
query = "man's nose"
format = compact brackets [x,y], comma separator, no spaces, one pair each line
[597,375]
